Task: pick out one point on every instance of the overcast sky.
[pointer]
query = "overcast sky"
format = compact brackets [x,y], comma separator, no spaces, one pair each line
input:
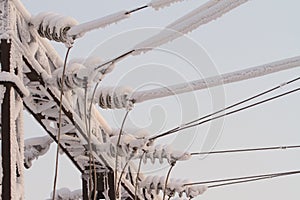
[257,32]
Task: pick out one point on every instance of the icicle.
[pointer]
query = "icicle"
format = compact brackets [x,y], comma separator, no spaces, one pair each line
[158,4]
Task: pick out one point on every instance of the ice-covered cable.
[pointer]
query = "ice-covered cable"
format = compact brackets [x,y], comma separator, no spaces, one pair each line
[98,23]
[158,4]
[155,184]
[202,15]
[54,26]
[80,29]
[222,79]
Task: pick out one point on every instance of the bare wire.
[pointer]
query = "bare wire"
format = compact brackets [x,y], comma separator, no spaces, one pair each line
[136,9]
[246,150]
[225,114]
[236,104]
[59,123]
[244,178]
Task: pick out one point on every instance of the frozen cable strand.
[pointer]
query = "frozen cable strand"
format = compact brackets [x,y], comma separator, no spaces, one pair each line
[114,98]
[158,4]
[34,148]
[156,184]
[202,15]
[222,79]
[54,26]
[98,23]
[160,153]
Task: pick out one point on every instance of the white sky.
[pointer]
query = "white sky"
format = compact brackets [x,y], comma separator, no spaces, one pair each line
[257,32]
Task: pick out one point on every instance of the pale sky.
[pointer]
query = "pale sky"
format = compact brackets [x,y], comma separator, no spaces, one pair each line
[255,33]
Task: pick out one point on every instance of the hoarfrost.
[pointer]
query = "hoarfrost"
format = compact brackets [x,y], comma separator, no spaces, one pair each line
[158,4]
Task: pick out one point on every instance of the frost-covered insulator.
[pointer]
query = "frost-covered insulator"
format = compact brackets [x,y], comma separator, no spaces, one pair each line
[34,148]
[78,73]
[114,98]
[130,145]
[54,26]
[71,81]
[157,184]
[160,153]
[158,4]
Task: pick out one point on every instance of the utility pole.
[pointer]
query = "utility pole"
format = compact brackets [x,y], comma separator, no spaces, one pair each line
[12,91]
[26,61]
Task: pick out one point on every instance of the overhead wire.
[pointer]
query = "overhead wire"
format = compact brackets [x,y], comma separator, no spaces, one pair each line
[223,115]
[246,150]
[236,104]
[243,179]
[59,124]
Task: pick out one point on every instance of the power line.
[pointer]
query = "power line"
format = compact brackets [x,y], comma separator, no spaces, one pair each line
[223,115]
[247,150]
[243,179]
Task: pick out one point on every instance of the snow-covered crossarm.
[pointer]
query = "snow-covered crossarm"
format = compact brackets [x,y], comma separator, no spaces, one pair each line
[35,147]
[232,77]
[202,15]
[156,184]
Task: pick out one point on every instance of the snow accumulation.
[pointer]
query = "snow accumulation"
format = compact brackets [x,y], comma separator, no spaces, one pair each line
[134,145]
[35,147]
[67,194]
[157,183]
[158,4]
[79,71]
[201,15]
